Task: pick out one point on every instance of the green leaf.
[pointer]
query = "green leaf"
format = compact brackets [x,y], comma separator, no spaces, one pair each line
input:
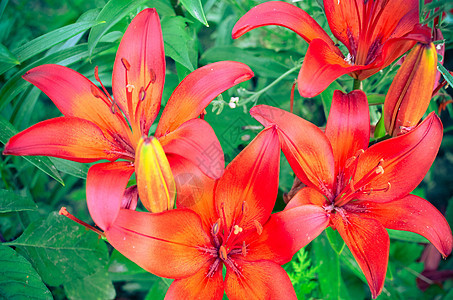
[11,201]
[159,289]
[327,95]
[119,264]
[18,279]
[195,8]
[177,40]
[375,99]
[448,77]
[96,287]
[61,250]
[406,236]
[6,57]
[379,130]
[7,130]
[71,167]
[351,264]
[335,240]
[113,12]
[47,41]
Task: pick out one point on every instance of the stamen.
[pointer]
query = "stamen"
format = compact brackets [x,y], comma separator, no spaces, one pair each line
[244,249]
[237,229]
[126,64]
[245,207]
[130,88]
[213,268]
[222,253]
[65,213]
[215,228]
[349,161]
[95,91]
[153,76]
[259,227]
[142,94]
[379,170]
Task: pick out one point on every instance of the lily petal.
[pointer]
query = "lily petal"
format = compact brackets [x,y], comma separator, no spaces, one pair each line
[76,96]
[196,141]
[321,66]
[400,163]
[410,92]
[287,232]
[248,189]
[197,90]
[155,182]
[282,14]
[165,244]
[415,214]
[65,137]
[305,196]
[305,146]
[106,185]
[258,280]
[141,56]
[198,286]
[369,243]
[348,126]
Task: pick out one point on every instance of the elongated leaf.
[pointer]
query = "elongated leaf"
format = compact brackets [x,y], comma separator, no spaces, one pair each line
[47,41]
[177,40]
[406,236]
[328,264]
[61,250]
[195,8]
[112,13]
[326,97]
[18,279]
[7,130]
[96,287]
[11,201]
[448,77]
[70,167]
[335,240]
[6,57]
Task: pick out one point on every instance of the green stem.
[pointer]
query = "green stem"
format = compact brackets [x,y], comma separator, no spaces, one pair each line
[357,84]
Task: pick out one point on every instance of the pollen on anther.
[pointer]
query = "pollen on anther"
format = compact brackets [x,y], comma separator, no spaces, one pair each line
[379,170]
[259,227]
[237,229]
[130,88]
[142,94]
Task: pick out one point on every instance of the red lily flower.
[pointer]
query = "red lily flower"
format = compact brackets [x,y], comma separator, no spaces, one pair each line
[229,225]
[96,126]
[361,190]
[374,32]
[411,90]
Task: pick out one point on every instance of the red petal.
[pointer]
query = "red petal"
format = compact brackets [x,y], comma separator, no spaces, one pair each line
[196,141]
[282,14]
[165,244]
[65,137]
[195,190]
[258,280]
[106,185]
[248,189]
[406,160]
[305,196]
[287,232]
[141,48]
[321,66]
[415,214]
[305,146]
[198,286]
[414,80]
[74,95]
[348,126]
[197,90]
[369,243]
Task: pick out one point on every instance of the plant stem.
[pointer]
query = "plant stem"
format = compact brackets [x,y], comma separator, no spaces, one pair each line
[357,84]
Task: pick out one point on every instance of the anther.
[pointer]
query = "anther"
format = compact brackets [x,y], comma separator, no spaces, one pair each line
[259,227]
[95,92]
[130,88]
[126,64]
[237,229]
[244,207]
[349,161]
[379,170]
[388,187]
[142,94]
[215,228]
[153,76]
[96,73]
[244,249]
[222,253]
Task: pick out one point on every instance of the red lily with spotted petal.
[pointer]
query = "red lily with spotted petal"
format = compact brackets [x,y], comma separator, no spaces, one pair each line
[229,226]
[374,32]
[96,126]
[361,190]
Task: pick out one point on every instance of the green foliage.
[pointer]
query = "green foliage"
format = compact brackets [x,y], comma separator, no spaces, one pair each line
[302,274]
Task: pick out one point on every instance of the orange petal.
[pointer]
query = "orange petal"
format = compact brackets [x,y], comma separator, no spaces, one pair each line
[165,244]
[405,161]
[258,280]
[198,286]
[415,214]
[282,14]
[348,126]
[106,185]
[197,90]
[306,196]
[76,96]
[286,233]
[196,141]
[369,243]
[249,186]
[410,92]
[156,186]
[142,52]
[305,146]
[321,66]
[65,137]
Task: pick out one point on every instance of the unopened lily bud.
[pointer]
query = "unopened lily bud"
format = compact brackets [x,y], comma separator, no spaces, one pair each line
[155,182]
[411,90]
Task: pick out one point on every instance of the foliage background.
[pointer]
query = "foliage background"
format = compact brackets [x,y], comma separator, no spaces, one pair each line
[44,255]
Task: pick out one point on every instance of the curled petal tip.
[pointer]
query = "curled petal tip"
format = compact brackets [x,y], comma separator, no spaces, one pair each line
[244,77]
